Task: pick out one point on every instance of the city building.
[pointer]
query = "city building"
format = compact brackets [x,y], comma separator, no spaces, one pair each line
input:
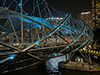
[96,13]
[54,20]
[86,17]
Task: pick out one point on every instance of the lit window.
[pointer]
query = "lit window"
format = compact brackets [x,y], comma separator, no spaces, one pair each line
[96,51]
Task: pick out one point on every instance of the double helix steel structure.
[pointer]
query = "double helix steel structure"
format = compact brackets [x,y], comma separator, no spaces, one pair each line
[32,31]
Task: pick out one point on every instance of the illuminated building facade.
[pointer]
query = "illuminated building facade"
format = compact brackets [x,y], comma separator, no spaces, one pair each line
[54,20]
[86,17]
[96,13]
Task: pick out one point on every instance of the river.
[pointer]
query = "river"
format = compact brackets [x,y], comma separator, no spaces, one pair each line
[39,70]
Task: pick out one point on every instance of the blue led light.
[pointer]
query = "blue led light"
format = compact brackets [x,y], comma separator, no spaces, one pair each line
[37,43]
[83,44]
[61,24]
[64,21]
[26,13]
[55,54]
[12,57]
[6,7]
[58,28]
[76,48]
[19,4]
[50,34]
[67,47]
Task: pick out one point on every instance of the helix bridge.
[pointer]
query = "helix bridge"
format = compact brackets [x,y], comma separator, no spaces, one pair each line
[32,31]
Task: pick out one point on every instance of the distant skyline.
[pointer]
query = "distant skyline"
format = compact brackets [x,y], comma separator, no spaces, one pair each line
[71,6]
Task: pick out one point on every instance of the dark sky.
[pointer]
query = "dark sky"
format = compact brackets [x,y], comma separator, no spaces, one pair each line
[71,6]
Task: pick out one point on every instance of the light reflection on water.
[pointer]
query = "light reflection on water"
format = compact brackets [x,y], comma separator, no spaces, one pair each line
[39,70]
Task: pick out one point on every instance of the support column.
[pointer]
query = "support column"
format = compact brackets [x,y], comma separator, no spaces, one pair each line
[21,23]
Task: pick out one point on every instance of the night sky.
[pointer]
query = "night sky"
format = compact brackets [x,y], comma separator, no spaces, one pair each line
[71,6]
[66,6]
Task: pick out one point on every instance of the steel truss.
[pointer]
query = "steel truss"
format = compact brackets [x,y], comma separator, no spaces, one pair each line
[41,37]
